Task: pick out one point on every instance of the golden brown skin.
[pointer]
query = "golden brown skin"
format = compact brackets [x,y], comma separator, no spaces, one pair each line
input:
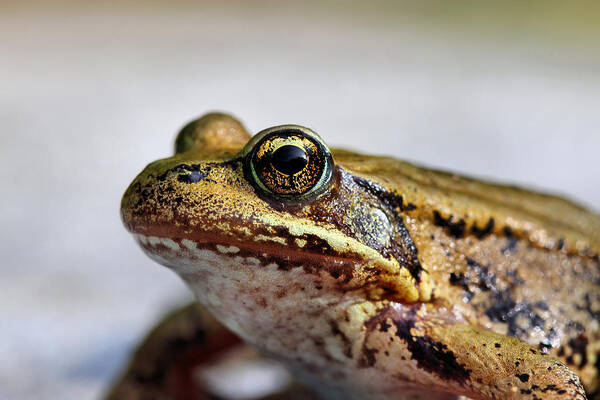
[394,282]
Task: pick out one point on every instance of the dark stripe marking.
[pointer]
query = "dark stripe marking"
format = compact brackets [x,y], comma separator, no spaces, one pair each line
[405,251]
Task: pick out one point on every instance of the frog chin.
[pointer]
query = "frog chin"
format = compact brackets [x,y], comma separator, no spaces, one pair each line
[259,297]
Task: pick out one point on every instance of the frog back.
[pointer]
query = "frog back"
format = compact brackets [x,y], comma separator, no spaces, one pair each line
[521,263]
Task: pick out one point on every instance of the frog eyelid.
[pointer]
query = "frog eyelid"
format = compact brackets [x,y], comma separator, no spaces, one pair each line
[282,129]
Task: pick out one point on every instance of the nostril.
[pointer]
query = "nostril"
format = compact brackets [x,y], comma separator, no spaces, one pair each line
[192,177]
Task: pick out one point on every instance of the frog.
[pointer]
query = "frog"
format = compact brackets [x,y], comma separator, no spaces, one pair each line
[369,277]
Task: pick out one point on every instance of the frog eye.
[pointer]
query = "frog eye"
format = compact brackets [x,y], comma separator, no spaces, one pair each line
[288,162]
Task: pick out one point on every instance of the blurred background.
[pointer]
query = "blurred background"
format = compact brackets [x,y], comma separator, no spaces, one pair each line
[90,92]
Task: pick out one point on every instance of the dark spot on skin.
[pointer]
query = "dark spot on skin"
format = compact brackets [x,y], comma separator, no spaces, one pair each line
[522,377]
[430,355]
[596,393]
[384,326]
[550,387]
[588,305]
[486,278]
[407,253]
[368,359]
[553,388]
[550,337]
[335,330]
[455,229]
[410,207]
[560,243]
[497,345]
[178,200]
[511,241]
[461,280]
[392,200]
[576,327]
[578,345]
[500,306]
[486,230]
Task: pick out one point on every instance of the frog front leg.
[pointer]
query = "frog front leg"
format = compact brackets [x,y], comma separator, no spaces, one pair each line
[446,355]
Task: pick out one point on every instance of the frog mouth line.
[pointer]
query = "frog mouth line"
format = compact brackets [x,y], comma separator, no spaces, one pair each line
[296,252]
[349,270]
[275,241]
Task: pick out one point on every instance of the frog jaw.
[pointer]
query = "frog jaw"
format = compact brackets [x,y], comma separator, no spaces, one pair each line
[226,276]
[322,267]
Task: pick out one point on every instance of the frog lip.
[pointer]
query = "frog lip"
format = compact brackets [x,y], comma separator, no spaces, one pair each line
[291,250]
[187,254]
[345,267]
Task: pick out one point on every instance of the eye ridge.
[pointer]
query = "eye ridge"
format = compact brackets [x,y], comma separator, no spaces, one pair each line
[289,159]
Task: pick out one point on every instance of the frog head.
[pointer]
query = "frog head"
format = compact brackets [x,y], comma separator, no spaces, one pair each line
[261,227]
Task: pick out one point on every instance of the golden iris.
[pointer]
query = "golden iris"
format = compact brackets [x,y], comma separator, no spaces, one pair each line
[288,162]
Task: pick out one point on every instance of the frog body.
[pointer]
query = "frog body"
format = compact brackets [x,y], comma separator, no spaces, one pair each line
[372,278]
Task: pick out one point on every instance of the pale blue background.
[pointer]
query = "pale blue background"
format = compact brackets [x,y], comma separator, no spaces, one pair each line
[91,93]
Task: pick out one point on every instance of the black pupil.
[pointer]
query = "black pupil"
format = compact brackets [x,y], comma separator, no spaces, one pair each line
[289,159]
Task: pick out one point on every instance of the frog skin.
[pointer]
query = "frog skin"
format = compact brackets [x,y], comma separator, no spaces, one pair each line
[372,278]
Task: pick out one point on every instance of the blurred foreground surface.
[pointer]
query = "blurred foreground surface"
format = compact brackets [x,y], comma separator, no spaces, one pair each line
[90,93]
